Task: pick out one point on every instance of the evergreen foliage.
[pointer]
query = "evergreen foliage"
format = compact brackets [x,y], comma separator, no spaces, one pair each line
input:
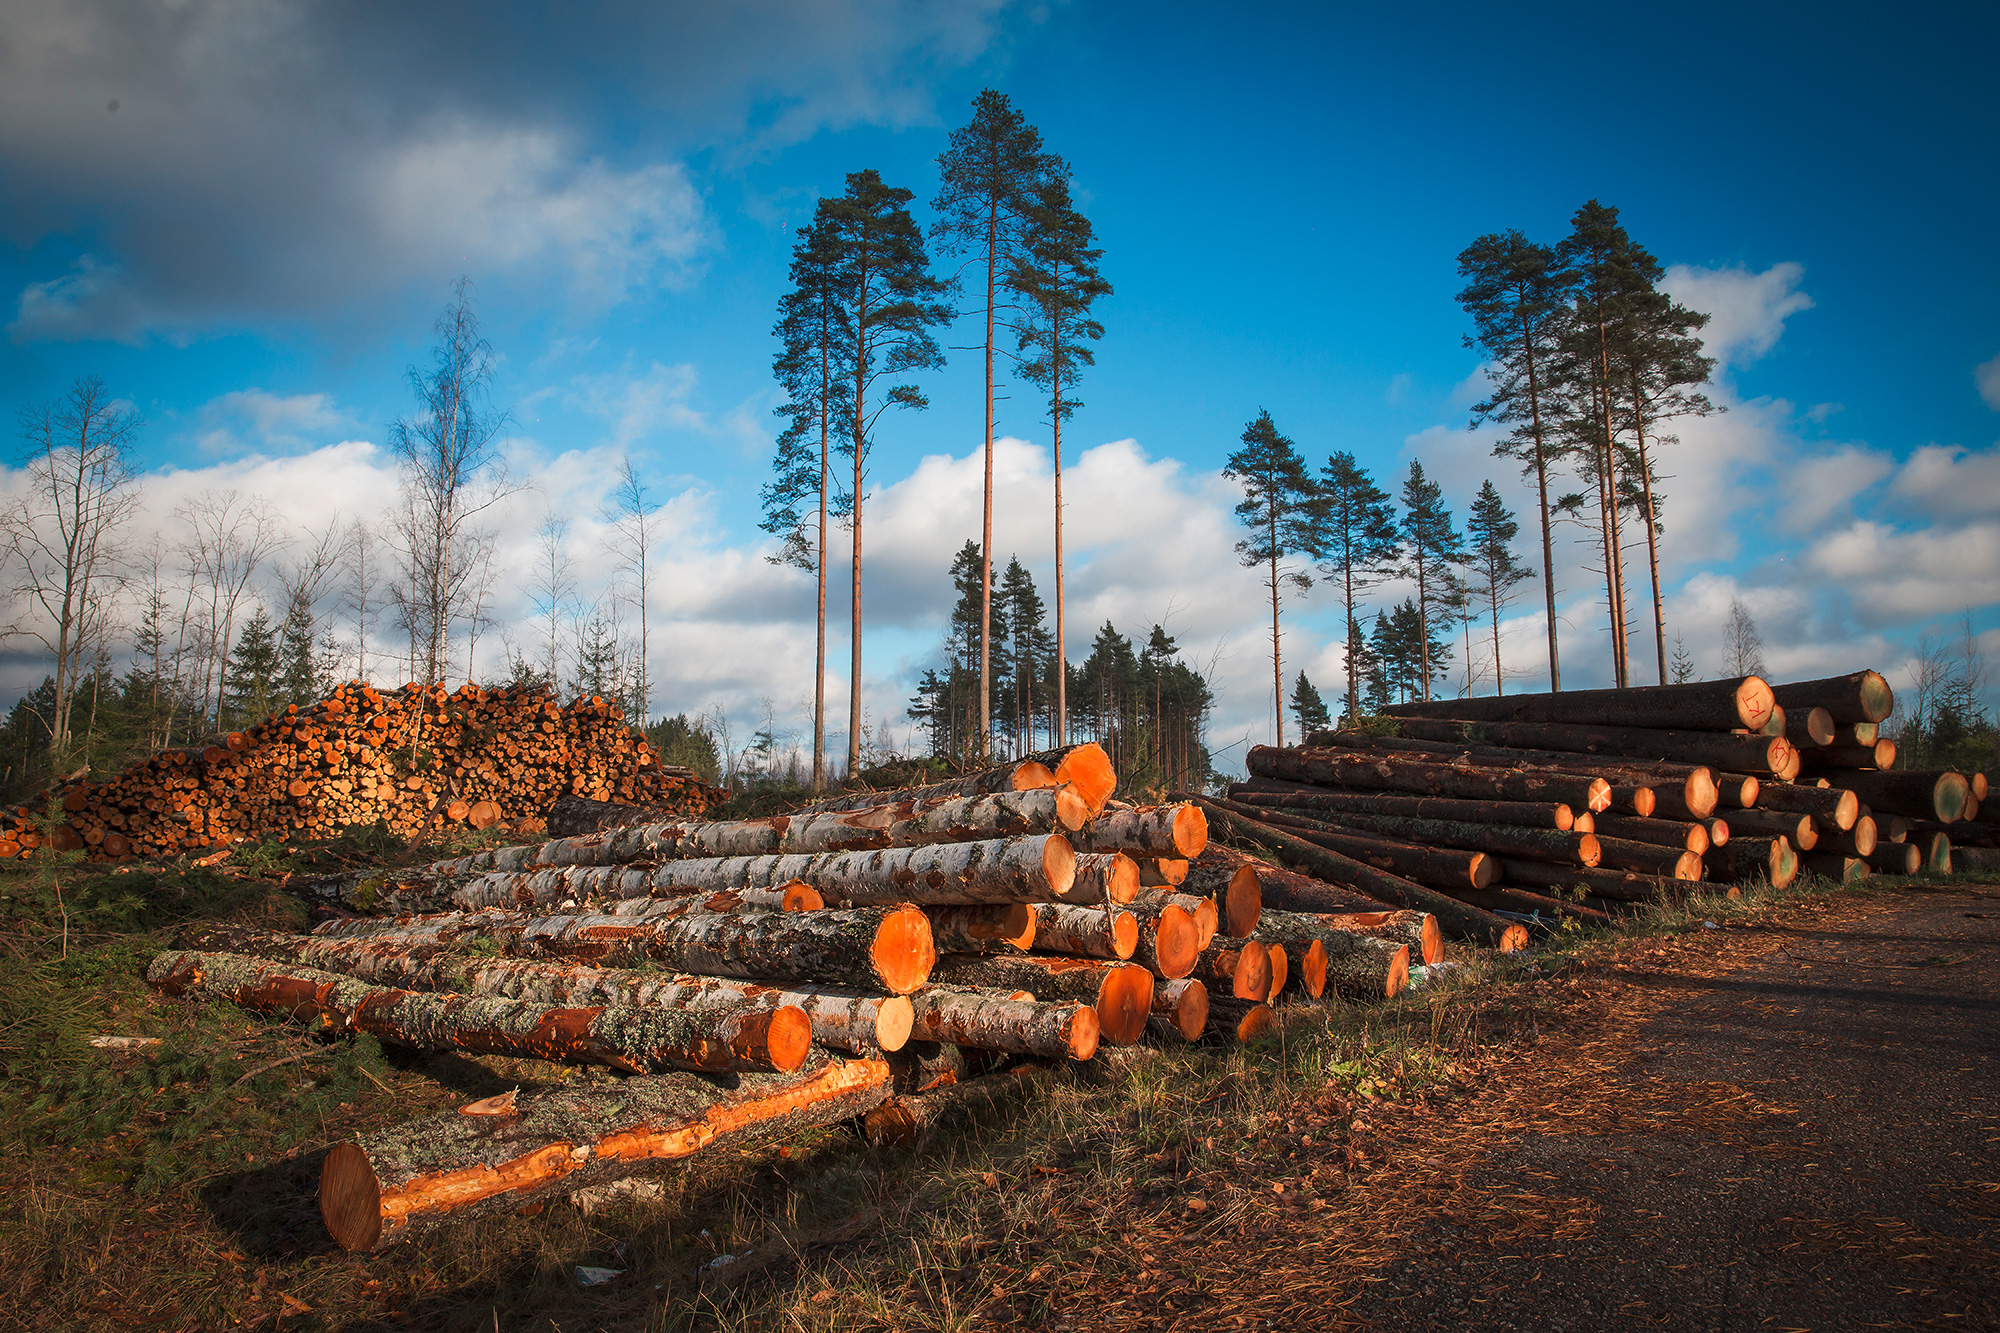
[249,680]
[1358,543]
[1281,508]
[1491,530]
[1431,546]
[1308,708]
[684,742]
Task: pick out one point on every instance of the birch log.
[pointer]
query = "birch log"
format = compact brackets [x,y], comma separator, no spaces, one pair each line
[1121,993]
[1110,933]
[1176,832]
[986,1020]
[1183,1004]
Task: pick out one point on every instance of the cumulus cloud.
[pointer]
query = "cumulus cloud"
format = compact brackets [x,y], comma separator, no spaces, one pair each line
[1747,309]
[1987,375]
[235,162]
[253,420]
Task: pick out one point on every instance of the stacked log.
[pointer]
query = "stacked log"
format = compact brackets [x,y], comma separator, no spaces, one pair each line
[413,759]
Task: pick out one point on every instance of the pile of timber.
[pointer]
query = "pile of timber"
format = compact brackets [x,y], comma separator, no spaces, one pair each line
[900,956]
[1495,811]
[413,759]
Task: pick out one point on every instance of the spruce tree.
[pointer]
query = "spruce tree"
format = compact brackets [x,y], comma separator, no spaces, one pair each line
[1367,667]
[888,297]
[1308,707]
[299,675]
[1358,541]
[1682,669]
[988,175]
[252,670]
[1491,530]
[1431,546]
[1058,280]
[1280,506]
[1027,652]
[1517,293]
[816,339]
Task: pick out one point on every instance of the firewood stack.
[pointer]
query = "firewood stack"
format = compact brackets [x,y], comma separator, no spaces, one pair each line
[871,956]
[1536,807]
[415,758]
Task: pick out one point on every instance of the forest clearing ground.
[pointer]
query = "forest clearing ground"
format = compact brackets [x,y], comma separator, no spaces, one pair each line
[1788,1121]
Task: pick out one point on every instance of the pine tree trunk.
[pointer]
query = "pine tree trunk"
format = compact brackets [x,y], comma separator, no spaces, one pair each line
[986,1020]
[1241,968]
[1497,839]
[1716,705]
[1362,966]
[1425,865]
[1267,793]
[1381,772]
[1084,767]
[1201,911]
[1860,697]
[1839,806]
[1680,835]
[1755,754]
[1938,794]
[1121,993]
[1231,882]
[1647,858]
[412,1177]
[1169,939]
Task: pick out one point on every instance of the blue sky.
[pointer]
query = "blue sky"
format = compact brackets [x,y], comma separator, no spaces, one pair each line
[252,246]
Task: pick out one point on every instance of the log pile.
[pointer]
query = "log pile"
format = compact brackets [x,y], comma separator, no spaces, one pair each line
[413,759]
[870,955]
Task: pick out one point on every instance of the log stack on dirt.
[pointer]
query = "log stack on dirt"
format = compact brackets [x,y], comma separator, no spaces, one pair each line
[413,759]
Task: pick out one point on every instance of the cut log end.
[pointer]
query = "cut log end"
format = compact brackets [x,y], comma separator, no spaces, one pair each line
[1059,865]
[1754,702]
[895,1016]
[350,1198]
[781,1036]
[1124,934]
[1190,831]
[1072,811]
[1087,769]
[1877,699]
[799,896]
[1085,1030]
[1177,941]
[1123,1001]
[1311,969]
[1184,1004]
[903,950]
[1243,902]
[1600,795]
[1512,939]
[1398,979]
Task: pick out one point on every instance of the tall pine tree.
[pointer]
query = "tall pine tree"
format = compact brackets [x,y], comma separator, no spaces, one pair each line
[988,175]
[1058,281]
[1517,293]
[1491,530]
[1431,546]
[1280,506]
[888,297]
[815,341]
[1358,542]
[1027,654]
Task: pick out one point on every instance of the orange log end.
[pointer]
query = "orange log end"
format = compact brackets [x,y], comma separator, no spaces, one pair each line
[1088,769]
[1190,831]
[903,951]
[350,1198]
[1243,902]
[1599,795]
[1123,1000]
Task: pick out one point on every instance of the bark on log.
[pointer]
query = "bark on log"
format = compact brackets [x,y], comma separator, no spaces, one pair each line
[1860,840]
[986,1020]
[1893,828]
[572,815]
[1498,839]
[1617,885]
[1160,873]
[570,885]
[1241,968]
[1110,933]
[985,928]
[1710,705]
[1695,778]
[1757,754]
[1812,727]
[1836,805]
[1799,829]
[1457,919]
[1344,768]
[1418,930]
[1121,993]
[1507,898]
[1084,767]
[1828,761]
[1266,793]
[1861,697]
[1104,877]
[1176,832]
[1746,860]
[1648,859]
[1169,940]
[1440,867]
[1921,794]
[1257,882]
[412,1177]
[1201,911]
[1856,733]
[1688,836]
[1632,800]
[1896,858]
[1233,1021]
[1974,860]
[1839,869]
[1351,963]
[1183,1003]
[753,1037]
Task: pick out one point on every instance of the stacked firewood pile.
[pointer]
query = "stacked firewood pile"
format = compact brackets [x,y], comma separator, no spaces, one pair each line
[414,759]
[1536,807]
[873,955]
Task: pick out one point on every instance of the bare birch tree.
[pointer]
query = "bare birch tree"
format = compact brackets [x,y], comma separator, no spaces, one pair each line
[230,537]
[634,510]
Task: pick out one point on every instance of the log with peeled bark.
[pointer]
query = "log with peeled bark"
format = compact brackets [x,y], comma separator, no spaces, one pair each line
[1746,860]
[1616,885]
[1265,793]
[1234,1021]
[1183,1004]
[1498,839]
[1121,993]
[1241,968]
[983,928]
[1231,881]
[1084,767]
[411,1177]
[1161,873]
[1757,754]
[1830,865]
[1809,727]
[1799,829]
[1168,939]
[1688,836]
[1860,840]
[1441,867]
[1828,761]
[1896,858]
[1455,918]
[1836,805]
[750,1037]
[1709,705]
[1419,930]
[1351,963]
[1647,858]
[1860,697]
[1106,932]
[1939,794]
[988,1020]
[1104,878]
[1388,772]
[1176,832]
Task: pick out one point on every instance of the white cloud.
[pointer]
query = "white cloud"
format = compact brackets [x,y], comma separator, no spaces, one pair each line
[1950,481]
[251,419]
[1747,310]
[1987,375]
